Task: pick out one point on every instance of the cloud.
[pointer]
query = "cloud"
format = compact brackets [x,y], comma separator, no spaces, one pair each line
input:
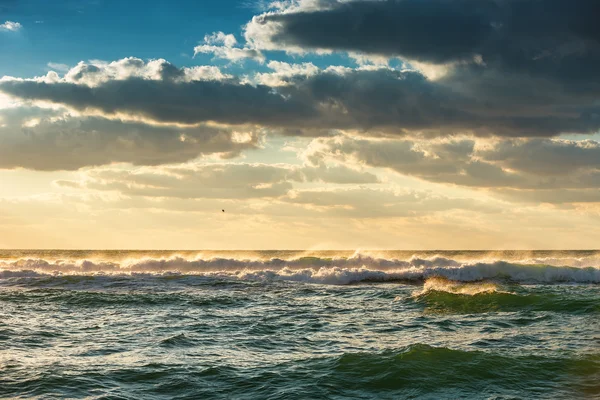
[224,46]
[284,74]
[269,189]
[215,181]
[11,26]
[539,164]
[542,157]
[46,139]
[382,202]
[376,27]
[551,38]
[301,98]
[58,67]
[551,196]
[96,73]
[157,90]
[515,67]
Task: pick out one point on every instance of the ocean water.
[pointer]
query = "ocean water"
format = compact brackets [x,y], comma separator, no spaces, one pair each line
[299,325]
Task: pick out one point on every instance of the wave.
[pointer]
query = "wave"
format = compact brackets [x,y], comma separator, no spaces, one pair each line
[178,263]
[440,284]
[414,371]
[442,296]
[101,299]
[321,270]
[428,370]
[180,340]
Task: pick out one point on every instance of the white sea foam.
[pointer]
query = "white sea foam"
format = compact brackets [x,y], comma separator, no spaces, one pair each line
[357,268]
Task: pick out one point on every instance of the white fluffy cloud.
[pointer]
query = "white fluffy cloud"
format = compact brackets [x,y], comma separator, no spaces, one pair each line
[11,26]
[283,73]
[224,46]
[95,73]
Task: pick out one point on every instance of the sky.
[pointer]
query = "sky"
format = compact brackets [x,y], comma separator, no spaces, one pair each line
[315,124]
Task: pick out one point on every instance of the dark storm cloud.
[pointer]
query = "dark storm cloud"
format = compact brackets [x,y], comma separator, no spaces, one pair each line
[400,101]
[168,100]
[435,31]
[553,38]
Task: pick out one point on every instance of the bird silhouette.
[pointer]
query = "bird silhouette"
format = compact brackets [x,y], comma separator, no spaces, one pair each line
[223,210]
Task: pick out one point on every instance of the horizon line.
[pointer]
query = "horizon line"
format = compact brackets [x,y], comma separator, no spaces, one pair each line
[223,250]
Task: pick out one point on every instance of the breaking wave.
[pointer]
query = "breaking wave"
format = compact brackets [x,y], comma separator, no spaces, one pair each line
[439,284]
[440,295]
[321,270]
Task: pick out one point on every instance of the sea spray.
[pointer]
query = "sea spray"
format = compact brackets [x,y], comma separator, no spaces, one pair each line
[323,270]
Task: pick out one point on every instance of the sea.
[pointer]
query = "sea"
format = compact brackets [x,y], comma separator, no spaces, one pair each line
[299,324]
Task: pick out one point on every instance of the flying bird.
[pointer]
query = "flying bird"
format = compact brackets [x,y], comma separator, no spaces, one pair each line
[223,210]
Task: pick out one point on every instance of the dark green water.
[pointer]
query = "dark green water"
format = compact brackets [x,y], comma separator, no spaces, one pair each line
[284,325]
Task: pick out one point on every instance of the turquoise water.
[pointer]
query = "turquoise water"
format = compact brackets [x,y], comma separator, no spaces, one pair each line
[299,325]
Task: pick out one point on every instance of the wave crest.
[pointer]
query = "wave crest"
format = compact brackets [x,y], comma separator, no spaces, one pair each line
[358,268]
[440,284]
